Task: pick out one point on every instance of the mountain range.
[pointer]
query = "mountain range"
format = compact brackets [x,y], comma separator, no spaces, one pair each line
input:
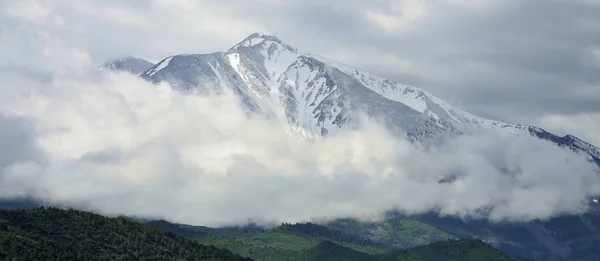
[319,96]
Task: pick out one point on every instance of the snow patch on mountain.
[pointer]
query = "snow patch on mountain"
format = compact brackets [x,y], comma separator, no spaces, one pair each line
[309,98]
[161,65]
[424,102]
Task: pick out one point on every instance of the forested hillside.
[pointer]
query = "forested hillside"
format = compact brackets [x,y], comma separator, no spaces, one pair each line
[55,234]
[309,242]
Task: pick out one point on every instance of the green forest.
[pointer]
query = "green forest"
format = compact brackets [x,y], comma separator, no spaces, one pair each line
[309,241]
[56,234]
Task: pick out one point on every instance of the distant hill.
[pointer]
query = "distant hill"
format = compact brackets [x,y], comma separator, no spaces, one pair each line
[55,234]
[563,238]
[329,251]
[285,242]
[453,250]
[19,203]
[311,242]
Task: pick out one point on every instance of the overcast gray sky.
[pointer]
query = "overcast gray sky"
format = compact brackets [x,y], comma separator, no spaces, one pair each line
[523,61]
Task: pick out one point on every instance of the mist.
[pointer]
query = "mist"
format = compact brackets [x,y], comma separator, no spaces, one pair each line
[115,144]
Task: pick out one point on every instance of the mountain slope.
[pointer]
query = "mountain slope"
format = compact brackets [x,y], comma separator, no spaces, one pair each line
[568,237]
[270,244]
[460,250]
[129,64]
[54,234]
[269,75]
[319,96]
[568,141]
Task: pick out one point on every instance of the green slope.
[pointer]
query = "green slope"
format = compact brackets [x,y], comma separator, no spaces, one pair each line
[516,239]
[274,243]
[397,233]
[329,251]
[308,242]
[54,234]
[456,250]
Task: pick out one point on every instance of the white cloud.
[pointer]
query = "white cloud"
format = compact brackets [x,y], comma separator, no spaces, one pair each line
[400,14]
[149,29]
[35,11]
[122,15]
[120,145]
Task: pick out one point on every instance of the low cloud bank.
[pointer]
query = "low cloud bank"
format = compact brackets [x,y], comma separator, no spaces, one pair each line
[119,145]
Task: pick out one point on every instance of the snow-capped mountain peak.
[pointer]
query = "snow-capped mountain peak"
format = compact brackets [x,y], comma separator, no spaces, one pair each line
[261,39]
[266,53]
[273,74]
[318,96]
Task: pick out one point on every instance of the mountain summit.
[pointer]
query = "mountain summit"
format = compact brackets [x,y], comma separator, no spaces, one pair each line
[320,96]
[258,39]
